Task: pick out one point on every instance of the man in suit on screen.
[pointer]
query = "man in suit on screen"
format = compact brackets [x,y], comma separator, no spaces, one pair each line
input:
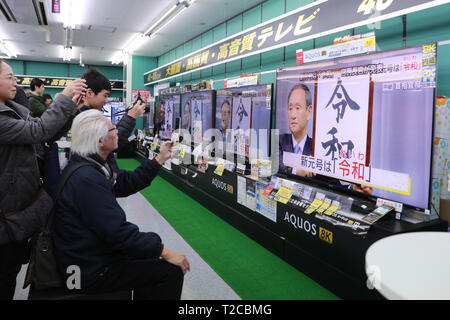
[297,141]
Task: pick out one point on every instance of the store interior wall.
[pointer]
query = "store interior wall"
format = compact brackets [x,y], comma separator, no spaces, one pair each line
[420,27]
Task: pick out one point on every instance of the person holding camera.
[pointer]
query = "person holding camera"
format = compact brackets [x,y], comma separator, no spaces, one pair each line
[97,94]
[21,193]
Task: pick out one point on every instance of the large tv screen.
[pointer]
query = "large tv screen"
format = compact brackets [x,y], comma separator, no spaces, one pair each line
[242,109]
[167,115]
[197,113]
[362,123]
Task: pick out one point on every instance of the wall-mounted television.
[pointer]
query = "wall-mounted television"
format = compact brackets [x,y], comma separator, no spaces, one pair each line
[363,123]
[241,109]
[197,113]
[167,115]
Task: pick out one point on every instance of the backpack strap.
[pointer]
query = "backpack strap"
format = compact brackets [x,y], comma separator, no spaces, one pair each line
[63,181]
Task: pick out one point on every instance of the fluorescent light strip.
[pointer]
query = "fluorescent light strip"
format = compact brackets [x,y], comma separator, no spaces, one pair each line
[168,21]
[135,43]
[139,39]
[66,9]
[117,58]
[162,18]
[67,56]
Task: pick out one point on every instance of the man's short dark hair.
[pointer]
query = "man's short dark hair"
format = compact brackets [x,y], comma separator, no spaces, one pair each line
[307,93]
[96,81]
[36,82]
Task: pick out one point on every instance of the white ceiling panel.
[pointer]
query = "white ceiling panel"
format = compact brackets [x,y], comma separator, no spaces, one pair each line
[104,27]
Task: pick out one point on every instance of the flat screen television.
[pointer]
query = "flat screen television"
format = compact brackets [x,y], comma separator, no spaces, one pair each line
[197,113]
[241,109]
[363,123]
[167,115]
[149,119]
[117,111]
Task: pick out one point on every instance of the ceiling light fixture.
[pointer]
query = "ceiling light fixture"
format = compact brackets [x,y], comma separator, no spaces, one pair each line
[67,47]
[67,54]
[69,13]
[117,58]
[171,15]
[140,38]
[172,9]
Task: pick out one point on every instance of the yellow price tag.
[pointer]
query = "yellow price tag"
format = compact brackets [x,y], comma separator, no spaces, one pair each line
[370,42]
[283,195]
[323,207]
[331,210]
[282,200]
[314,205]
[219,170]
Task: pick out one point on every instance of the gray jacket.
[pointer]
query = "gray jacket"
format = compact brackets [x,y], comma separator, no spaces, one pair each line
[19,133]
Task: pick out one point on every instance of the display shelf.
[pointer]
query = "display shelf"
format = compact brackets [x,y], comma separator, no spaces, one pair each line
[329,254]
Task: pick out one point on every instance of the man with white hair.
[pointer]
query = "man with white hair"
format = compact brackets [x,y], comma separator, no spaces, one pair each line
[90,228]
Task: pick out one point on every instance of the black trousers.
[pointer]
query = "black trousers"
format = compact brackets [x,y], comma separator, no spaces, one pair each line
[12,256]
[151,279]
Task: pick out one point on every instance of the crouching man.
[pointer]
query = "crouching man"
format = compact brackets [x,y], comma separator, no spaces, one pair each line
[90,228]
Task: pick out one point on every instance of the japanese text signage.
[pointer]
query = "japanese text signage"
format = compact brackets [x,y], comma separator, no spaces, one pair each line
[53,82]
[316,19]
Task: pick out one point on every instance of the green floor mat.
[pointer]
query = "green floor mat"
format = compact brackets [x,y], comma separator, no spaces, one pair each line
[251,270]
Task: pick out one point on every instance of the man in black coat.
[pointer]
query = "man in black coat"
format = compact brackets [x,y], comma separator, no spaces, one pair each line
[90,228]
[19,173]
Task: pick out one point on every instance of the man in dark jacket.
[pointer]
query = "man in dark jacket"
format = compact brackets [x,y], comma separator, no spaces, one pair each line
[20,176]
[90,228]
[99,90]
[35,98]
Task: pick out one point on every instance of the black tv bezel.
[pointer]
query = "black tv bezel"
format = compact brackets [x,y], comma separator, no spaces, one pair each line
[271,123]
[174,118]
[213,107]
[358,194]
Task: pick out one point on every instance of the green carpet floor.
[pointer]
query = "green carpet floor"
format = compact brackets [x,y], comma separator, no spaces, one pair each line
[253,272]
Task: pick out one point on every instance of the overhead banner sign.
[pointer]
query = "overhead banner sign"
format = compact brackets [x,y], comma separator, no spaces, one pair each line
[315,20]
[58,82]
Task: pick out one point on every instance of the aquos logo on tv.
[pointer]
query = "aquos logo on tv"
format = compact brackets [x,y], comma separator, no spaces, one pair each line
[308,227]
[222,185]
[300,223]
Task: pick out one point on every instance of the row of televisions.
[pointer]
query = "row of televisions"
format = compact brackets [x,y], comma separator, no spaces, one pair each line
[363,123]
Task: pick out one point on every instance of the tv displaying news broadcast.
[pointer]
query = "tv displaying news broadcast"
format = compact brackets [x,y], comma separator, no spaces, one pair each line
[248,107]
[363,123]
[167,113]
[197,113]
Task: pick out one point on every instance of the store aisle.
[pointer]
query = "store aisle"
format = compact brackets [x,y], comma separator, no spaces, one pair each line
[201,283]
